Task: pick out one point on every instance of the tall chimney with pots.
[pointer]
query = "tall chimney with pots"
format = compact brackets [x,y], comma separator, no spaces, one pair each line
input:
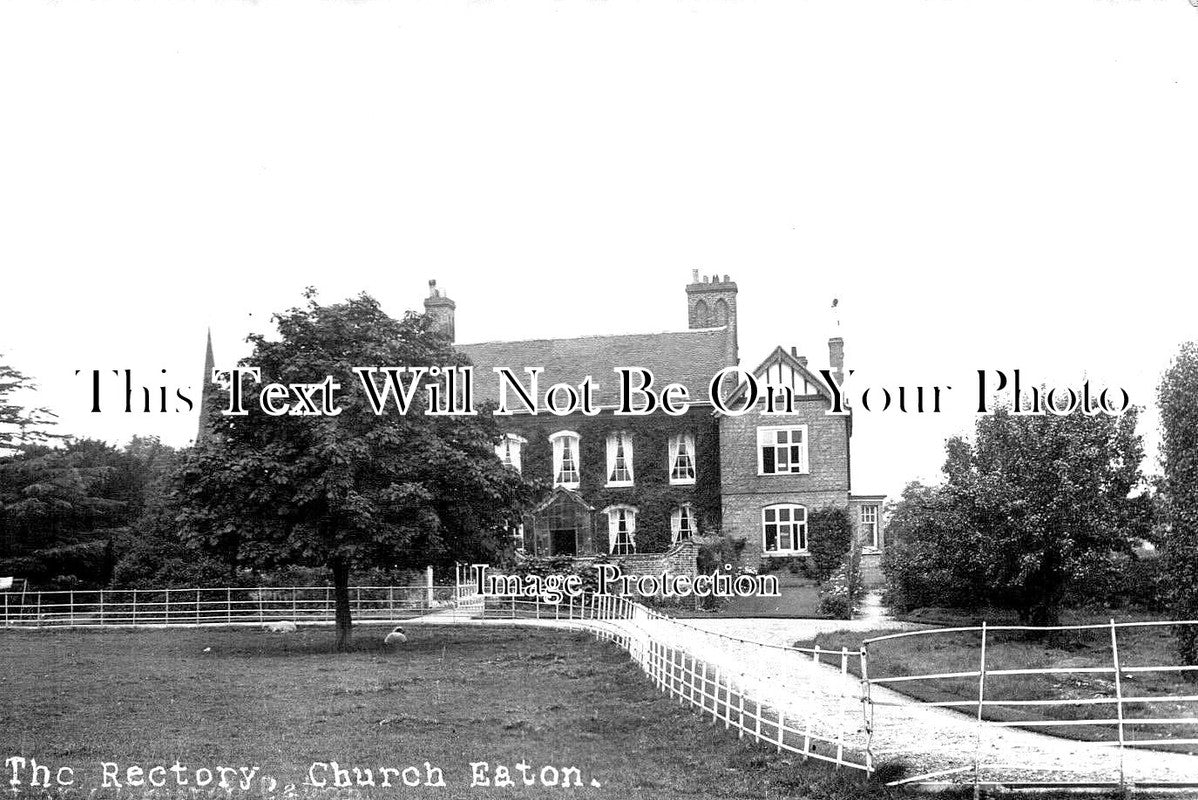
[711,303]
[440,310]
[836,357]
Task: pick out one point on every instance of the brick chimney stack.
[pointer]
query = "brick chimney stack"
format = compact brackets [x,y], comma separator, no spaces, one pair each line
[440,310]
[836,357]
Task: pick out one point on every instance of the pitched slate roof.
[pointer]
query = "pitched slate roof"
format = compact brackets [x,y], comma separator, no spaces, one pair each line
[688,357]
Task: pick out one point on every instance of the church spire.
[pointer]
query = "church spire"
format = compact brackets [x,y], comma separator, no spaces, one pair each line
[205,392]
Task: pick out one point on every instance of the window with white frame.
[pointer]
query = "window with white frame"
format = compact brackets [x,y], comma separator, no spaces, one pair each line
[682,523]
[682,459]
[508,450]
[621,530]
[782,450]
[783,529]
[565,459]
[619,459]
[869,528]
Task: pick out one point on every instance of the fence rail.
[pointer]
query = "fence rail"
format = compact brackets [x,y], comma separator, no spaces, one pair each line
[219,606]
[1115,706]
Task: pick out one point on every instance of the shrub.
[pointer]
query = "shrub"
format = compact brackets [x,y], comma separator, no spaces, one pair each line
[918,576]
[714,553]
[840,594]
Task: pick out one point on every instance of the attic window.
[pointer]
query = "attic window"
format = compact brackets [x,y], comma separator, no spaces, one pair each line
[682,459]
[565,459]
[619,459]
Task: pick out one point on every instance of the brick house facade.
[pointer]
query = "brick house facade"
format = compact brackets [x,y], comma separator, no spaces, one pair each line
[638,485]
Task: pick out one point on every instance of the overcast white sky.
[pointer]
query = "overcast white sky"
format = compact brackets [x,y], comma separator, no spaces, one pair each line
[982,184]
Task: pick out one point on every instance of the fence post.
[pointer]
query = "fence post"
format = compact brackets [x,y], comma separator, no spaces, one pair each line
[6,607]
[294,604]
[39,609]
[757,718]
[261,612]
[977,750]
[228,604]
[428,580]
[71,610]
[1118,703]
[740,703]
[843,715]
[715,696]
[867,710]
[168,606]
[134,608]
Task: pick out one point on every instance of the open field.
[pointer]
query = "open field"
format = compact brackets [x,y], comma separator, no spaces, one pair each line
[1082,650]
[450,696]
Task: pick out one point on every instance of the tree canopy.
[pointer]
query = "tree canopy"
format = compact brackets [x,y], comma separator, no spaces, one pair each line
[1177,397]
[1028,507]
[356,489]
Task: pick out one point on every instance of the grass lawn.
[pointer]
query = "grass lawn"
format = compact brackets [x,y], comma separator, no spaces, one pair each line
[799,600]
[450,696]
[959,652]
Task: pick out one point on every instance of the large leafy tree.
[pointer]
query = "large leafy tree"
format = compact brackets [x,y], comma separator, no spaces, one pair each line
[1177,397]
[1028,507]
[61,509]
[356,489]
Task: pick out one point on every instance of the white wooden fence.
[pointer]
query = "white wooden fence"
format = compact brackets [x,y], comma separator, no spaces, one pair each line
[219,606]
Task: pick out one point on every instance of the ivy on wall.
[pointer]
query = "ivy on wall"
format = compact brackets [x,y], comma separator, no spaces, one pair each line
[652,495]
[829,537]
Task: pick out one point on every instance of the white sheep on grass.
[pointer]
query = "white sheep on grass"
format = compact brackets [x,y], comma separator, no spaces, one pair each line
[280,627]
[396,636]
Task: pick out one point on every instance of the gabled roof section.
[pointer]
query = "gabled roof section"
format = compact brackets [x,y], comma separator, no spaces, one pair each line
[557,492]
[690,357]
[781,356]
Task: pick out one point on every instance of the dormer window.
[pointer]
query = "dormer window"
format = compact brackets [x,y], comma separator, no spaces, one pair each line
[508,450]
[565,459]
[619,459]
[682,524]
[621,529]
[682,459]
